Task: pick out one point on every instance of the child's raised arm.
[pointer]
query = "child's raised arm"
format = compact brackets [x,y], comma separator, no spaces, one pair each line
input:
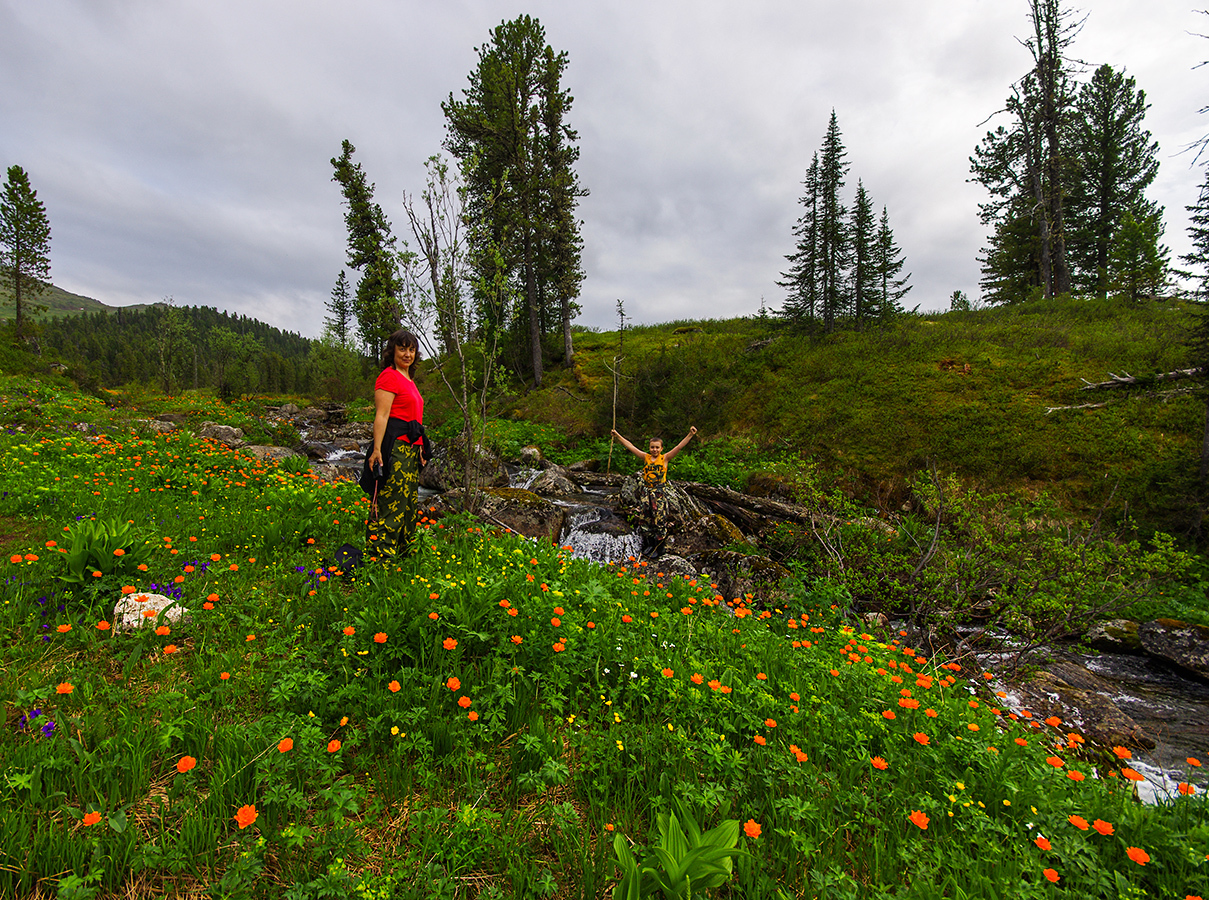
[668,454]
[627,444]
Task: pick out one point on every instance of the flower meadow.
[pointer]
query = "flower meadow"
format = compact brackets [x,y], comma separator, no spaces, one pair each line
[494,718]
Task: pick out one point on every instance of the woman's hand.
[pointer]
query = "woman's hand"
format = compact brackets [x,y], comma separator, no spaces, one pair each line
[375,459]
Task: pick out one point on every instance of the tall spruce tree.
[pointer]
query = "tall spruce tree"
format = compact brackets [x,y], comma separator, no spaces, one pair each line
[1137,262]
[517,154]
[370,251]
[801,281]
[1026,168]
[341,315]
[888,261]
[24,244]
[1198,230]
[864,278]
[1117,162]
[834,247]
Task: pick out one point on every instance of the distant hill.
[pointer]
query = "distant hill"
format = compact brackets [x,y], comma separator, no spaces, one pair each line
[57,302]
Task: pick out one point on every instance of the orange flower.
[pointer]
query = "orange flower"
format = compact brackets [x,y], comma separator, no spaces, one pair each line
[380,637]
[794,697]
[1186,789]
[909,703]
[888,714]
[449,643]
[463,701]
[759,739]
[1051,874]
[1022,742]
[626,619]
[285,745]
[1055,762]
[1101,826]
[472,716]
[91,818]
[119,552]
[1138,855]
[185,763]
[1073,775]
[434,596]
[333,745]
[393,687]
[931,713]
[163,630]
[1053,721]
[918,818]
[65,688]
[171,648]
[879,763]
[1131,774]
[1193,761]
[1043,843]
[224,675]
[434,616]
[245,816]
[770,723]
[697,678]
[516,638]
[559,647]
[350,630]
[103,625]
[922,738]
[725,689]
[668,673]
[453,684]
[555,622]
[751,829]
[1079,822]
[761,676]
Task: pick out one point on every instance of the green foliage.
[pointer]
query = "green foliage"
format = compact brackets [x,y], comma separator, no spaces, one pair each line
[97,547]
[684,863]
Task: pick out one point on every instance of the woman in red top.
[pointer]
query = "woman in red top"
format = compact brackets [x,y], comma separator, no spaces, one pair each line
[400,447]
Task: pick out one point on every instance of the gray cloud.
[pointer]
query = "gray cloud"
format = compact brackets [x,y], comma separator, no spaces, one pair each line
[182,148]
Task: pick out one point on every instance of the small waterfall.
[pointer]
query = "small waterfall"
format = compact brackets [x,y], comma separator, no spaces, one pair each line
[523,478]
[591,535]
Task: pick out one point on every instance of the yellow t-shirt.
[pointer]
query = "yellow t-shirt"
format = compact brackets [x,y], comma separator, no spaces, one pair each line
[654,469]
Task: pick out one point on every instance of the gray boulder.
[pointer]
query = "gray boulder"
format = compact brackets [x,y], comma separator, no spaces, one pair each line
[224,434]
[553,483]
[521,511]
[739,576]
[1115,636]
[1183,645]
[446,469]
[265,453]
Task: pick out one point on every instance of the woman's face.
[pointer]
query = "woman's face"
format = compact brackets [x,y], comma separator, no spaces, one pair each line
[404,357]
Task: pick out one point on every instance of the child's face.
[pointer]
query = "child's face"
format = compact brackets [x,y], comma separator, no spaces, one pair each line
[656,448]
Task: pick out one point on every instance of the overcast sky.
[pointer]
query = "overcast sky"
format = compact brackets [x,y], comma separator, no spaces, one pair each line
[182,148]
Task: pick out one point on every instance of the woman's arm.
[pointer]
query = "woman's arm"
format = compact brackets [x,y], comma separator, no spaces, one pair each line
[688,437]
[382,403]
[627,444]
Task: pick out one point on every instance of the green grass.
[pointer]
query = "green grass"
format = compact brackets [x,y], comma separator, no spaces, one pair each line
[487,719]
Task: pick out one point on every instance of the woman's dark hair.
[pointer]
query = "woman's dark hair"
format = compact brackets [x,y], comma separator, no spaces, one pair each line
[401,338]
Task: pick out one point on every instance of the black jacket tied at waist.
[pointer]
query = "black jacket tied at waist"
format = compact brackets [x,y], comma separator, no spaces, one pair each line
[395,429]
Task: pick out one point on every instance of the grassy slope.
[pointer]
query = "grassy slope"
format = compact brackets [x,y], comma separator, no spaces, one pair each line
[57,302]
[876,408]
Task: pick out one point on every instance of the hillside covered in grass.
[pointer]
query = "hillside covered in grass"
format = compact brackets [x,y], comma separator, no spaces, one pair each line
[969,393]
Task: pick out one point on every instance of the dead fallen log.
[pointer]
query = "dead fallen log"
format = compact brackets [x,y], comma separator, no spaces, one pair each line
[759,506]
[1127,380]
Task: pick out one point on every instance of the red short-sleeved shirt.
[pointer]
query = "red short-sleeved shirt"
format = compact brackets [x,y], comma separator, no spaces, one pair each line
[408,405]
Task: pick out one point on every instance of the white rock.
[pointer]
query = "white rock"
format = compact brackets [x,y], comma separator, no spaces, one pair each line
[130,612]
